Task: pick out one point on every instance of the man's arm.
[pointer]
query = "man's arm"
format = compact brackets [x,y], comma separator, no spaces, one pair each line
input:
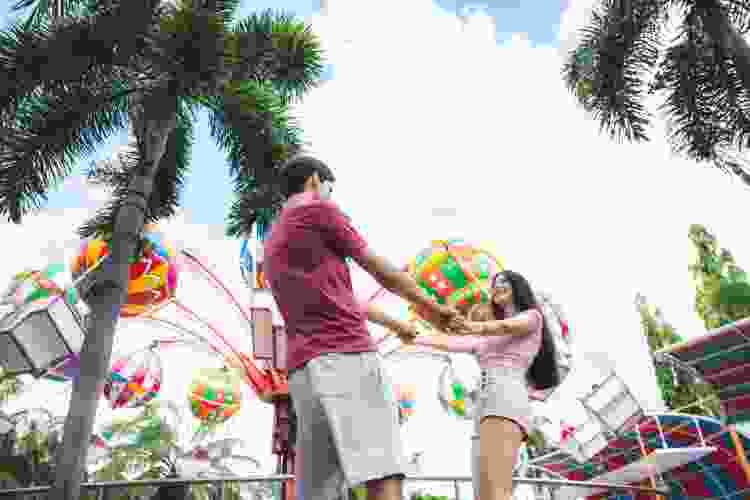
[347,242]
[380,317]
[394,279]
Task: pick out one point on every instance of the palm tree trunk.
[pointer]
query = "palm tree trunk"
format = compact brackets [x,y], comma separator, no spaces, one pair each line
[720,29]
[107,296]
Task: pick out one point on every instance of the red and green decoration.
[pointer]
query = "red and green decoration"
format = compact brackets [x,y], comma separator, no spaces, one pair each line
[215,395]
[455,272]
[454,396]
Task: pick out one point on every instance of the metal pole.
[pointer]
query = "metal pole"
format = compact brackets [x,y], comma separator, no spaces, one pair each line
[282,477]
[645,454]
[740,451]
[456,490]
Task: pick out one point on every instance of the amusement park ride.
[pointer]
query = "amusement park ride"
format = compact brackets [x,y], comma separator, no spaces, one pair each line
[255,356]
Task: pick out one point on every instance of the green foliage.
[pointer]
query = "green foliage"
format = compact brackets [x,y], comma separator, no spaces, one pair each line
[537,443]
[359,493]
[417,496]
[298,70]
[685,395]
[722,293]
[9,388]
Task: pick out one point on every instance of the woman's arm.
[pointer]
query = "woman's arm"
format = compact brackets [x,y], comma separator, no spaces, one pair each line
[450,343]
[520,325]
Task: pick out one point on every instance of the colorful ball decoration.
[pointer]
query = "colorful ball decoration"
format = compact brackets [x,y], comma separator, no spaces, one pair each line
[454,272]
[215,395]
[153,273]
[407,398]
[134,380]
[456,397]
[40,287]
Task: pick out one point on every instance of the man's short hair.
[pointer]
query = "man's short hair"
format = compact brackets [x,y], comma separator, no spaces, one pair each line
[295,172]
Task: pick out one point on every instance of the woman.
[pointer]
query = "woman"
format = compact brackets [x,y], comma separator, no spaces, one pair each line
[515,350]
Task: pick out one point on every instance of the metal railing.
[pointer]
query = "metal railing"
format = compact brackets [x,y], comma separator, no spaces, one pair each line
[551,483]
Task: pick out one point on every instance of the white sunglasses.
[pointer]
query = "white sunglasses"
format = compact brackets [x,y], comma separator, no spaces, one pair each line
[500,282]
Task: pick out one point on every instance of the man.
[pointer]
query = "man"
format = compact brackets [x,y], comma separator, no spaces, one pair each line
[347,424]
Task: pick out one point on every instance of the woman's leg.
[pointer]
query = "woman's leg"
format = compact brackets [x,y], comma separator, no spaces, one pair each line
[499,440]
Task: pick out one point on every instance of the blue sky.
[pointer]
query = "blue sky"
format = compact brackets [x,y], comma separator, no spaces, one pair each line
[539,19]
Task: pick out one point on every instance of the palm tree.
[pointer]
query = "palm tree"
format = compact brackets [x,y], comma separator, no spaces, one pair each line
[66,86]
[705,74]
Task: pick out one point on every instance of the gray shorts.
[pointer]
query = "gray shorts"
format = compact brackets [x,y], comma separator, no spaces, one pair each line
[502,393]
[347,428]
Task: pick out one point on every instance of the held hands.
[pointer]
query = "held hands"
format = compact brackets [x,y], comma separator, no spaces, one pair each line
[407,333]
[462,326]
[438,315]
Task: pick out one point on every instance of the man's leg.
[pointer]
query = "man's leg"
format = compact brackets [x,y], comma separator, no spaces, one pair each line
[355,394]
[319,472]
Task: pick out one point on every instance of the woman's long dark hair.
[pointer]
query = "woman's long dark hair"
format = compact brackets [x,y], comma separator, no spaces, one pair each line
[542,373]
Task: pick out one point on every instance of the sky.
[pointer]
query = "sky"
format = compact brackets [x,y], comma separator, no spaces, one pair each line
[468,119]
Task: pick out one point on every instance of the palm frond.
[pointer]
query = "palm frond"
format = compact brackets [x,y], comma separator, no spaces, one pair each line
[168,182]
[63,127]
[252,207]
[227,9]
[706,102]
[252,123]
[258,201]
[738,12]
[72,50]
[190,46]
[43,11]
[623,38]
[276,47]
